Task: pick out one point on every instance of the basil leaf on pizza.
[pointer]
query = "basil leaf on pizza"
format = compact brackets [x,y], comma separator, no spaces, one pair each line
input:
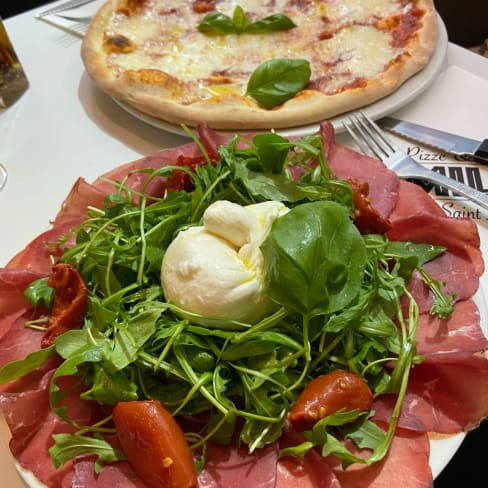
[239,19]
[217,23]
[272,23]
[278,80]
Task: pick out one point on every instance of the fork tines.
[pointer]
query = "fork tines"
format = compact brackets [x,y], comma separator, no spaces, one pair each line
[373,140]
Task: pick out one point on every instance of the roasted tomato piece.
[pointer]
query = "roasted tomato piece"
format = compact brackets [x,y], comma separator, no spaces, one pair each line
[179,180]
[367,218]
[154,444]
[69,303]
[328,394]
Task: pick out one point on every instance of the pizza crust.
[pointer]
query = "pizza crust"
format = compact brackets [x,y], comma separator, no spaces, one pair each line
[171,98]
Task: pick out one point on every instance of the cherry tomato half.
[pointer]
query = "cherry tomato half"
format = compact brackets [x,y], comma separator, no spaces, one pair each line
[329,393]
[154,444]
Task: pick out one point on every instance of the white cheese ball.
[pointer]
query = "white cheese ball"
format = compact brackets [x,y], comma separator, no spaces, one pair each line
[216,270]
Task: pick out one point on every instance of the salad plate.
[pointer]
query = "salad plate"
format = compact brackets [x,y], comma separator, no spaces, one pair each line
[442,448]
[407,92]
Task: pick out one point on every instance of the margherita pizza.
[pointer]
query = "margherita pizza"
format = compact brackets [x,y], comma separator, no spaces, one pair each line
[255,64]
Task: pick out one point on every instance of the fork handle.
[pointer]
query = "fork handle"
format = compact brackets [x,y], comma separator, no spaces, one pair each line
[437,178]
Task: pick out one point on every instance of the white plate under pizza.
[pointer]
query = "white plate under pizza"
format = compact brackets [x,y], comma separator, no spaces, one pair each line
[278,65]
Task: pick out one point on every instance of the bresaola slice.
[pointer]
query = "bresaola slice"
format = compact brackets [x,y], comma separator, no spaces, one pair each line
[461,331]
[231,468]
[436,400]
[346,163]
[405,465]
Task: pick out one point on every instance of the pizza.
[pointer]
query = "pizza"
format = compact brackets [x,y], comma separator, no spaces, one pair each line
[258,65]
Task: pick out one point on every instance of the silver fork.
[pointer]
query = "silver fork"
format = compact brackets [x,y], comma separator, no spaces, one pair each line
[371,140]
[61,8]
[79,28]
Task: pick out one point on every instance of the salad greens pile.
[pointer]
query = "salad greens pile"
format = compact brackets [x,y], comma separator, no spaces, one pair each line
[338,292]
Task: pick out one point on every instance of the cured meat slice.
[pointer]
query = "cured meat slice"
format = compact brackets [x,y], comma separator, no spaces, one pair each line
[35,456]
[131,177]
[447,395]
[25,411]
[18,341]
[311,472]
[12,284]
[459,236]
[75,206]
[116,475]
[419,219]
[413,200]
[346,163]
[228,467]
[448,392]
[461,331]
[36,256]
[406,464]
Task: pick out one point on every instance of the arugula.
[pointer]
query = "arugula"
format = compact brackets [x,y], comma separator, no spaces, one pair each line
[40,293]
[217,23]
[277,80]
[338,292]
[69,446]
[352,425]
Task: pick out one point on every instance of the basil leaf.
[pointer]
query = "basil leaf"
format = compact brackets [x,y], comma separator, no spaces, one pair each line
[240,20]
[314,259]
[277,80]
[273,150]
[217,23]
[271,187]
[271,23]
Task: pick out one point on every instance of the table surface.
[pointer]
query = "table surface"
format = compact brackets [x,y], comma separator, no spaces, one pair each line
[64,127]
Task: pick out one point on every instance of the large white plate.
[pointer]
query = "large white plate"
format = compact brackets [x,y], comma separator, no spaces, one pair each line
[442,449]
[409,90]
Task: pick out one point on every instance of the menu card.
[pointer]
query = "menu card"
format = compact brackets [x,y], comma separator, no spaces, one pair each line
[457,102]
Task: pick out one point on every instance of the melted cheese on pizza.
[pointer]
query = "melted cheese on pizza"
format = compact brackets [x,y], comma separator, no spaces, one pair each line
[346,42]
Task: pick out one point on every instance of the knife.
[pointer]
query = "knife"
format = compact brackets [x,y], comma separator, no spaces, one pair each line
[469,149]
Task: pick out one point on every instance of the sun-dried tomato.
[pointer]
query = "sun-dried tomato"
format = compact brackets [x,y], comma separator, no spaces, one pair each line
[367,218]
[179,180]
[69,303]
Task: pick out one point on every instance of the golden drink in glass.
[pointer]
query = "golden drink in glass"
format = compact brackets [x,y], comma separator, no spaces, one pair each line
[13,82]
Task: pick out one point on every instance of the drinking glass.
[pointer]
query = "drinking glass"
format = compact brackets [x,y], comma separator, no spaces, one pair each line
[13,82]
